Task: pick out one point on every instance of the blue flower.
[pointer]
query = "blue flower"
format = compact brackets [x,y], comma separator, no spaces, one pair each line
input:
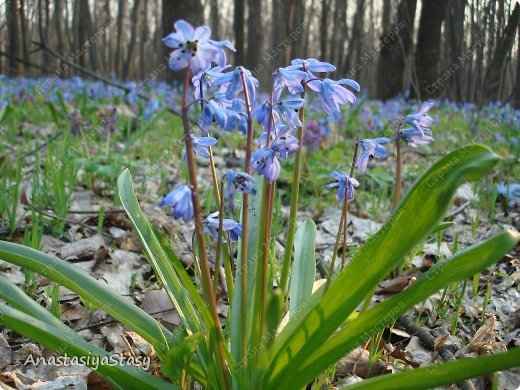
[200,144]
[285,144]
[345,184]
[510,191]
[261,114]
[212,223]
[421,120]
[213,111]
[290,77]
[371,148]
[334,94]
[193,48]
[181,201]
[415,137]
[207,78]
[288,110]
[265,162]
[238,181]
[312,65]
[233,82]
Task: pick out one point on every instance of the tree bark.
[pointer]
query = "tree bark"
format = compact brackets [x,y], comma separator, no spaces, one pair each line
[254,34]
[238,26]
[118,60]
[215,19]
[324,29]
[395,47]
[497,66]
[14,47]
[427,59]
[133,37]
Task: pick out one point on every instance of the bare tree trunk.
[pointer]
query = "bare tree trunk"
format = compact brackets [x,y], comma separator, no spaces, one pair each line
[133,37]
[238,26]
[14,47]
[144,39]
[428,46]
[516,97]
[254,34]
[356,41]
[455,49]
[340,36]
[497,67]
[120,36]
[215,19]
[395,49]
[324,30]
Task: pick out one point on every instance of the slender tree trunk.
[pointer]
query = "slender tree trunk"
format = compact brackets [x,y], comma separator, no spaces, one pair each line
[395,47]
[144,39]
[356,41]
[516,96]
[120,36]
[497,67]
[215,19]
[340,36]
[238,26]
[14,45]
[133,37]
[324,29]
[428,46]
[254,34]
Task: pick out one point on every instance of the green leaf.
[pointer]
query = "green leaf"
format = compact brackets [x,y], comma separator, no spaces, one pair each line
[33,321]
[252,246]
[418,212]
[179,357]
[97,293]
[362,328]
[442,226]
[441,374]
[189,306]
[304,266]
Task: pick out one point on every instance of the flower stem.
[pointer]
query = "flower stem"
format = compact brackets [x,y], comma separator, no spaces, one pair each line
[219,242]
[216,192]
[205,275]
[291,229]
[345,208]
[245,226]
[397,191]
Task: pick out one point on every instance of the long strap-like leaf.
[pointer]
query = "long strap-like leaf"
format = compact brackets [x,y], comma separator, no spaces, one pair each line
[416,215]
[95,292]
[462,265]
[33,321]
[441,374]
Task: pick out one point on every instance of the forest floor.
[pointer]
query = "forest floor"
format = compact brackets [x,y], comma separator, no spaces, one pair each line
[75,214]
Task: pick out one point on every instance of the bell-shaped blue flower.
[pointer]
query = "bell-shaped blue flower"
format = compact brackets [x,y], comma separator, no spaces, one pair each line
[290,77]
[233,82]
[421,120]
[371,148]
[192,47]
[212,223]
[345,185]
[207,79]
[288,110]
[200,145]
[334,94]
[238,181]
[312,65]
[180,200]
[415,137]
[265,162]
